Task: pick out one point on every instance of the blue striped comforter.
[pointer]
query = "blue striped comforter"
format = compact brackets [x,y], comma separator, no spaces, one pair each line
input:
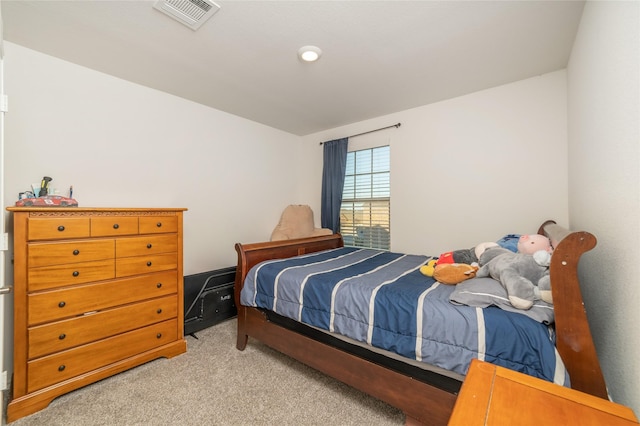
[381,299]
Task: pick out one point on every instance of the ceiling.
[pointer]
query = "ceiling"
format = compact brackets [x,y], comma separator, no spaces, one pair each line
[379,57]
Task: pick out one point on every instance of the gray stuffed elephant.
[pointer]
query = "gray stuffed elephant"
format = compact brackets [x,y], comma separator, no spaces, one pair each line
[524,276]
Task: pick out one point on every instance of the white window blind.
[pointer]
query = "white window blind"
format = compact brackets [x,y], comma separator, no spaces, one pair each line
[366,199]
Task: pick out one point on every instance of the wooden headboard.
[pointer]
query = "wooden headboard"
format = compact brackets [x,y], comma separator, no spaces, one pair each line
[573,335]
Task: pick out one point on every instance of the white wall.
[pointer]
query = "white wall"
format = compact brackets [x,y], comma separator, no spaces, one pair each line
[604,183]
[473,168]
[123,145]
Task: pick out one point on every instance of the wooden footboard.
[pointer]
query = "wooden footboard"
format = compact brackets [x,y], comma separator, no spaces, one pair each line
[252,254]
[421,402]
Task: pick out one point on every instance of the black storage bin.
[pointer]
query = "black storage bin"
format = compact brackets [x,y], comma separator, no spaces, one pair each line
[208,299]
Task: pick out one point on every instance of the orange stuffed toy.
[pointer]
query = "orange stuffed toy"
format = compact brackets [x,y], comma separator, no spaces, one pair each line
[454,273]
[450,273]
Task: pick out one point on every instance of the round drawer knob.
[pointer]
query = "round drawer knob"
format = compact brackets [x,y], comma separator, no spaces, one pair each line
[62,304]
[76,252]
[60,228]
[159,335]
[116,226]
[159,224]
[159,285]
[62,336]
[149,263]
[149,245]
[75,273]
[61,368]
[159,310]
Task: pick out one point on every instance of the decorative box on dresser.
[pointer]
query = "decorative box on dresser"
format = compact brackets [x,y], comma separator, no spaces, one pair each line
[96,291]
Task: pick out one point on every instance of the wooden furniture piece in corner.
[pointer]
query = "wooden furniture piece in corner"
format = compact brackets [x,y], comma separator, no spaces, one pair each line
[96,291]
[493,395]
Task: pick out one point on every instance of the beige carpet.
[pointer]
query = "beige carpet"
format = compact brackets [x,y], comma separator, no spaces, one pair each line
[215,384]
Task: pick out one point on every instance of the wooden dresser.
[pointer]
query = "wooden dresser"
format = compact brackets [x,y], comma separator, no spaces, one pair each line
[96,292]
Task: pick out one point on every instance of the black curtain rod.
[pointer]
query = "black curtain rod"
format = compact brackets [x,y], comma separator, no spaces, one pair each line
[371,131]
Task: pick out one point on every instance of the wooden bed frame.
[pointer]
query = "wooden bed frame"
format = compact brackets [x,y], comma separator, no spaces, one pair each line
[423,402]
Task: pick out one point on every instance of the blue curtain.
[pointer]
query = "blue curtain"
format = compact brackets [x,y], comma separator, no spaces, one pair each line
[333,171]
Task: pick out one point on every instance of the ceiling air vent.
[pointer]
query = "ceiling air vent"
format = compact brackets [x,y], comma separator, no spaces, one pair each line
[192,13]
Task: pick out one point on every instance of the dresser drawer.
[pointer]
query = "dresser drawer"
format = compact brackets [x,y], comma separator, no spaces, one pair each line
[61,366]
[54,337]
[158,224]
[69,302]
[58,228]
[70,274]
[148,244]
[45,254]
[108,226]
[128,266]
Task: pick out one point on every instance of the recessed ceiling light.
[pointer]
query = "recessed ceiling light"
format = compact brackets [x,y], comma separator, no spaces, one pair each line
[309,53]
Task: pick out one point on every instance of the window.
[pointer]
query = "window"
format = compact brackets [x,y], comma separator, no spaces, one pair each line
[366,199]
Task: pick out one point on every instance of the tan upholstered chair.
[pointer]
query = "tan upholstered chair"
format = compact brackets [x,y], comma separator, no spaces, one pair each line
[297,222]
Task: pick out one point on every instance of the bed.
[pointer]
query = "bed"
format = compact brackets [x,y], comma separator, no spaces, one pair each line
[404,368]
